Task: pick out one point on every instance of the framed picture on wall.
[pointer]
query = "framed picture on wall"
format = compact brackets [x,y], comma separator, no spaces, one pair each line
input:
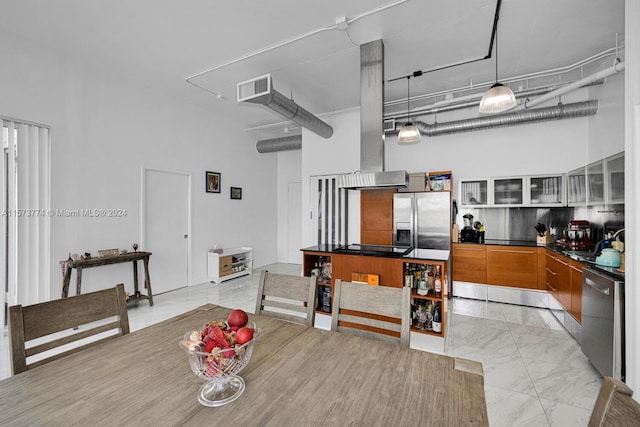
[213,182]
[236,193]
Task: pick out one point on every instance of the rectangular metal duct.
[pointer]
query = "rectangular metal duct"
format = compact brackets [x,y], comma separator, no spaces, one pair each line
[372,173]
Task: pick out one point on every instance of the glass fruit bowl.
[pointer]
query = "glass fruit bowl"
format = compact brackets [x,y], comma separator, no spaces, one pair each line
[220,366]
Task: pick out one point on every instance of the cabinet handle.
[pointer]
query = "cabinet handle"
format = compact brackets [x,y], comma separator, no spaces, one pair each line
[562,262]
[576,268]
[470,249]
[511,251]
[550,271]
[551,287]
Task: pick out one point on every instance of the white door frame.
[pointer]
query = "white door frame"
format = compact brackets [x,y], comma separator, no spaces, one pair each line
[143,173]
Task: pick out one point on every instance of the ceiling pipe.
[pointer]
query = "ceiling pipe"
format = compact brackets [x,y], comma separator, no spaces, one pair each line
[279,144]
[617,67]
[558,112]
[260,91]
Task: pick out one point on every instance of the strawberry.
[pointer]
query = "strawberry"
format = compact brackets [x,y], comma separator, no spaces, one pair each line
[209,346]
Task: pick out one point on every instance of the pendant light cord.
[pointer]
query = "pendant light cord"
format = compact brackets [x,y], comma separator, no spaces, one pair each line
[497,49]
[408,77]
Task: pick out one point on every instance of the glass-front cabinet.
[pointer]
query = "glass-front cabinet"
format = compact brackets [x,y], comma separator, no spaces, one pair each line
[577,187]
[474,192]
[615,178]
[508,191]
[548,190]
[595,183]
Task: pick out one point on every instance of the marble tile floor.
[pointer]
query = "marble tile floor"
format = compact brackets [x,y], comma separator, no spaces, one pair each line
[535,373]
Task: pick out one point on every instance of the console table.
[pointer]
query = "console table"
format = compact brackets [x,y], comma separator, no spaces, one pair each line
[115,259]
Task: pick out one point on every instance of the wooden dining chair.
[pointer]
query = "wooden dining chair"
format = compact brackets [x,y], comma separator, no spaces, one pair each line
[62,322]
[615,406]
[378,312]
[287,297]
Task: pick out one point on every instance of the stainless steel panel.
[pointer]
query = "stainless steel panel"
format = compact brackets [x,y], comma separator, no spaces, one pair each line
[402,219]
[433,220]
[526,297]
[469,290]
[602,323]
[372,106]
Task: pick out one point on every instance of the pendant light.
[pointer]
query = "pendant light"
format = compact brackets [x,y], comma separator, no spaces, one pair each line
[409,133]
[498,98]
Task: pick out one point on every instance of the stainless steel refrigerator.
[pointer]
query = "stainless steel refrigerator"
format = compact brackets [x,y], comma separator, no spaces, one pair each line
[422,220]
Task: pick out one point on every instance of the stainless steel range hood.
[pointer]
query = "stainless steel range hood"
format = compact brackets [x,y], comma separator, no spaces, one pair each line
[372,174]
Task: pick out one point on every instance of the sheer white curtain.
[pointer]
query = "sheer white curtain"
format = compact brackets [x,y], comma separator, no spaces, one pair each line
[26,212]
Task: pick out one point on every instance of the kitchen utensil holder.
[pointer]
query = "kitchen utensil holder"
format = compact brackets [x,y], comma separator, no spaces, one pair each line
[544,239]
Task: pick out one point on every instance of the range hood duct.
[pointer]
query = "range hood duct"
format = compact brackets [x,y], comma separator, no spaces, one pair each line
[260,91]
[279,144]
[372,174]
[558,112]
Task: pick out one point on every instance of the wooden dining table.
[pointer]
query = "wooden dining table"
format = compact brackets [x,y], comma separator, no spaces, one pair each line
[297,375]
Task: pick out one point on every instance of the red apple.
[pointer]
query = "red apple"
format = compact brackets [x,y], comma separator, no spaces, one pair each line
[244,335]
[237,318]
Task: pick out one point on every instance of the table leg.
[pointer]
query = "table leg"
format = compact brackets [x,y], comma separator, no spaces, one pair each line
[148,279]
[78,280]
[135,278]
[65,283]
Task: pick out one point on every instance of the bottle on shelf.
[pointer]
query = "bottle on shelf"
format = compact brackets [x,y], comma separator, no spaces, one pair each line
[430,277]
[429,315]
[423,287]
[408,276]
[437,282]
[437,319]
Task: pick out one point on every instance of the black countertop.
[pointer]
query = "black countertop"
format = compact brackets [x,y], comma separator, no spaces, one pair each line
[418,254]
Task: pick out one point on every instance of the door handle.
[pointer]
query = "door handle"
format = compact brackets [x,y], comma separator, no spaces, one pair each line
[186,235]
[595,286]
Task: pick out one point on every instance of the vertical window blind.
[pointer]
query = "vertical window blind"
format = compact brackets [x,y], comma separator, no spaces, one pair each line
[26,212]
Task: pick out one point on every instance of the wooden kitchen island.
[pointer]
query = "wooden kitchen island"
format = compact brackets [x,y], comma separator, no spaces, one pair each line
[330,263]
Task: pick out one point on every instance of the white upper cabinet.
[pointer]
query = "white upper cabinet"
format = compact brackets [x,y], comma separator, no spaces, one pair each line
[546,190]
[508,191]
[595,183]
[577,187]
[474,192]
[614,166]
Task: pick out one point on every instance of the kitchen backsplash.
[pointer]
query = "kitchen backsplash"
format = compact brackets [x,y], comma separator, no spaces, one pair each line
[518,223]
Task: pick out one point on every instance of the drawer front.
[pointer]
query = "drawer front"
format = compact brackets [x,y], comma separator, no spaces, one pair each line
[469,263]
[225,265]
[514,266]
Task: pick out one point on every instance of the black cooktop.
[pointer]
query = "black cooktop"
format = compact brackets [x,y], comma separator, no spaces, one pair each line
[381,250]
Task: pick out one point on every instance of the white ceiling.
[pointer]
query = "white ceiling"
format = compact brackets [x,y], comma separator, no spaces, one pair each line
[158,44]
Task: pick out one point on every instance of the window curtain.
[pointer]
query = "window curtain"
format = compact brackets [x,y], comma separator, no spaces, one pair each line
[26,212]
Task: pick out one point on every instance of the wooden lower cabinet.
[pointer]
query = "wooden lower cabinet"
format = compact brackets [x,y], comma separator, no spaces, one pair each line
[559,279]
[469,262]
[515,266]
[576,289]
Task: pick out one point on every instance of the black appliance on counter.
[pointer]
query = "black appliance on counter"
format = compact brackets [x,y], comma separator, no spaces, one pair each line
[470,233]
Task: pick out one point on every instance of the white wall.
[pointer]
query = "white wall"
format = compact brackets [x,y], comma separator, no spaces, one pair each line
[103,129]
[289,171]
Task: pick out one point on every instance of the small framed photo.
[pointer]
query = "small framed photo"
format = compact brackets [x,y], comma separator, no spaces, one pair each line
[213,182]
[236,193]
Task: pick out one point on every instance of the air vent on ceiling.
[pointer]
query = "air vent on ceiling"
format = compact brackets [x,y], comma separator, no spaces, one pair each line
[255,87]
[389,125]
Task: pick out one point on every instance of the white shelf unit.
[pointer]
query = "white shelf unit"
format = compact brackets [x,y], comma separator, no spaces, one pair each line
[229,264]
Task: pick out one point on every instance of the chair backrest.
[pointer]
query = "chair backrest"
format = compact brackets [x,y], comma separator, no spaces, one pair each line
[287,297]
[615,406]
[355,303]
[67,321]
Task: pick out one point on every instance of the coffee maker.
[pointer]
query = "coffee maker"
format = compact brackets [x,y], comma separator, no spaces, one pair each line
[469,233]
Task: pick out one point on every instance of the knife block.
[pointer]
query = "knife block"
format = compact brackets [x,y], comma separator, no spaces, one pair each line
[544,239]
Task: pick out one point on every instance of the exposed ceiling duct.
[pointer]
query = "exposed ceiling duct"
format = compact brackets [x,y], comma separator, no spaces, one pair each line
[557,112]
[372,173]
[279,144]
[260,91]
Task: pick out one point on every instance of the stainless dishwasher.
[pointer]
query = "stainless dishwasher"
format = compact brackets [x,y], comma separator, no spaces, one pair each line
[603,323]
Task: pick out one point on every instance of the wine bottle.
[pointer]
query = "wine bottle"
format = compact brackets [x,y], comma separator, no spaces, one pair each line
[408,277]
[437,319]
[438,281]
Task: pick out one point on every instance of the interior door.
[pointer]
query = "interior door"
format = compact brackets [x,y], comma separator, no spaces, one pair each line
[294,222]
[166,228]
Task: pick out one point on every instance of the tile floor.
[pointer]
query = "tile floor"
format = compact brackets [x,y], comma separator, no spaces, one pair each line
[535,373]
